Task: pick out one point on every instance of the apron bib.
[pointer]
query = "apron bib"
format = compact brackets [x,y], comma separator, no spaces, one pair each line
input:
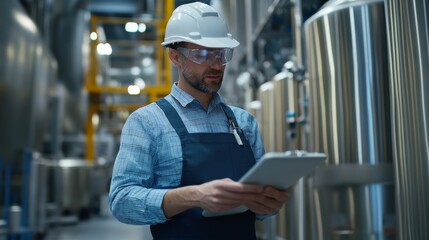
[206,157]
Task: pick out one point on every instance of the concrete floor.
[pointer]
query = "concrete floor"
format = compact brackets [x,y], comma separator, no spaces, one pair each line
[98,228]
[101,226]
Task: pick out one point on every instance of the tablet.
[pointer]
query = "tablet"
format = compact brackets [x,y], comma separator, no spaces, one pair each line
[283,169]
[277,169]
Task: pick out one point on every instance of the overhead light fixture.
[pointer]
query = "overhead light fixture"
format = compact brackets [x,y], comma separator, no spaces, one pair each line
[104,49]
[93,36]
[131,27]
[135,71]
[147,61]
[142,27]
[95,119]
[135,27]
[139,82]
[133,90]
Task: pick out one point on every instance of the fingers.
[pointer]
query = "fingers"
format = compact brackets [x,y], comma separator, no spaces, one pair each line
[259,208]
[282,196]
[270,201]
[224,194]
[236,187]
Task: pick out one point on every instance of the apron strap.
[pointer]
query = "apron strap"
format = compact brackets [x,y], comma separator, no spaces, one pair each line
[229,114]
[172,116]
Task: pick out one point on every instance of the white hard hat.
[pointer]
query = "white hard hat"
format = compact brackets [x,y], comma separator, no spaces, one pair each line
[200,24]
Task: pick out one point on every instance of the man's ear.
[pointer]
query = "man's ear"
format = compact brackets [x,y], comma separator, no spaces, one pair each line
[174,56]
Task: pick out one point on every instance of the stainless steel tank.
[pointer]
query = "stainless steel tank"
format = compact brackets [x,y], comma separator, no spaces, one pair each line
[349,98]
[27,69]
[279,114]
[266,121]
[286,111]
[264,114]
[71,29]
[409,74]
[349,114]
[75,186]
[278,118]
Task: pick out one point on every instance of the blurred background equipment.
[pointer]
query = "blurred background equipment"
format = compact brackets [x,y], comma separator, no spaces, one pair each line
[72,71]
[342,77]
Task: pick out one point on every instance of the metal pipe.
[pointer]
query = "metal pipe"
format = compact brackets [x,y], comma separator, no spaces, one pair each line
[297,19]
[300,218]
[233,10]
[249,35]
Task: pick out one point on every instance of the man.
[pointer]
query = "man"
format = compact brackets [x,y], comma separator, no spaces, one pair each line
[186,152]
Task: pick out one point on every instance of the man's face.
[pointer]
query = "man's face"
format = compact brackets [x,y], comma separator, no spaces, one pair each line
[206,76]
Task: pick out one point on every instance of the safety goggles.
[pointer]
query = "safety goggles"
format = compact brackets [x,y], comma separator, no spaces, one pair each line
[200,56]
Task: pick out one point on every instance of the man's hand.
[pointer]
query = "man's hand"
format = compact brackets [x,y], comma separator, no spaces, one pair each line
[269,202]
[224,194]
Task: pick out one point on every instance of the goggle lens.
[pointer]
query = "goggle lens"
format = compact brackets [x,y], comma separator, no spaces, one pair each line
[200,56]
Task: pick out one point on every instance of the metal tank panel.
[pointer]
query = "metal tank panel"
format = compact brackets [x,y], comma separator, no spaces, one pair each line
[278,118]
[409,70]
[286,111]
[349,114]
[71,48]
[266,121]
[279,99]
[26,70]
[349,101]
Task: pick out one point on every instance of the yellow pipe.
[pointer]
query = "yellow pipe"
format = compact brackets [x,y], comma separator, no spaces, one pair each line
[90,131]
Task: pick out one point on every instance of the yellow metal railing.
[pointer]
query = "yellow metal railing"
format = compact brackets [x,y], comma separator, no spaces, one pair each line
[163,77]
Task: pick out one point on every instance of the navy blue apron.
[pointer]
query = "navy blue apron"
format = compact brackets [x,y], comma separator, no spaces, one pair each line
[208,156]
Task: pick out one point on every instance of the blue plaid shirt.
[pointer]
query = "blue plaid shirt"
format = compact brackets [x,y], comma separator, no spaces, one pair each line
[149,161]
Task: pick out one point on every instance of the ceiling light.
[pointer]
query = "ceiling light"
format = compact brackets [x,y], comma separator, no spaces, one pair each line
[139,82]
[93,36]
[142,27]
[133,90]
[135,71]
[104,49]
[147,61]
[131,27]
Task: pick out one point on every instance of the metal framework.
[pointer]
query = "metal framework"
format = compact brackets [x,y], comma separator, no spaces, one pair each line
[163,71]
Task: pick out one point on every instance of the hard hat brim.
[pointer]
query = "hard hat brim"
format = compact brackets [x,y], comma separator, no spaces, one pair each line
[224,42]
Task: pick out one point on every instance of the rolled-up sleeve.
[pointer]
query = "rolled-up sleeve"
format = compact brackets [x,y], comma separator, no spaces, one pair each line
[133,200]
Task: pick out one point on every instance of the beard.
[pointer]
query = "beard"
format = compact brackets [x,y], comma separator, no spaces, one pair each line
[200,83]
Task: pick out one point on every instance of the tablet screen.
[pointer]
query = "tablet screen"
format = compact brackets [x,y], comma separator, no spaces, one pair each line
[283,169]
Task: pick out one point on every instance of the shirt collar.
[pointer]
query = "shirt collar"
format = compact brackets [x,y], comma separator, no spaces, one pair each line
[185,99]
